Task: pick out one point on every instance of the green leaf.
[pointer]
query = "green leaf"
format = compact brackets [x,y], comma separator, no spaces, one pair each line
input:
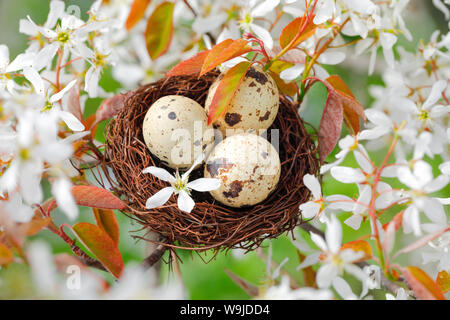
[159,31]
[99,243]
[226,90]
[106,220]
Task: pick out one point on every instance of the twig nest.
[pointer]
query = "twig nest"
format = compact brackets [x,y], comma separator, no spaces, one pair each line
[211,224]
[175,130]
[248,167]
[254,106]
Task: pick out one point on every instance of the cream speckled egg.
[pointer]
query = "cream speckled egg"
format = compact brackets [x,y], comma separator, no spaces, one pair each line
[175,130]
[254,106]
[248,167]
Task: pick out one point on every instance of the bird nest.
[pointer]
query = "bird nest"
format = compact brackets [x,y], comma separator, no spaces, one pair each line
[210,225]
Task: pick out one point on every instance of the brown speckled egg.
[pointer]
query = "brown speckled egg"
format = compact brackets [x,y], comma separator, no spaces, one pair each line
[248,167]
[254,106]
[175,130]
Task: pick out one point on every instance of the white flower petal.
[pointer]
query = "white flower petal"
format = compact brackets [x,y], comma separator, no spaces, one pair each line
[159,198]
[319,241]
[332,58]
[62,190]
[433,209]
[264,8]
[312,183]
[56,11]
[326,274]
[347,175]
[292,73]
[354,221]
[437,184]
[160,173]
[71,121]
[58,96]
[262,34]
[35,79]
[435,93]
[185,202]
[333,235]
[204,184]
[309,209]
[311,259]
[4,56]
[343,289]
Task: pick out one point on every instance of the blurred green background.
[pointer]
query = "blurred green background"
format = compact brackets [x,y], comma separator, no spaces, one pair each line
[209,280]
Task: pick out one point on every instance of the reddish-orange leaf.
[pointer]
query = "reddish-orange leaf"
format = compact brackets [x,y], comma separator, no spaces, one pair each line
[159,31]
[297,31]
[35,225]
[443,281]
[423,286]
[6,255]
[91,196]
[106,220]
[101,246]
[190,66]
[352,108]
[137,12]
[224,51]
[359,246]
[226,90]
[110,107]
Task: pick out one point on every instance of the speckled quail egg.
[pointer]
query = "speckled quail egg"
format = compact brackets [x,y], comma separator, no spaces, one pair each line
[248,167]
[175,130]
[254,106]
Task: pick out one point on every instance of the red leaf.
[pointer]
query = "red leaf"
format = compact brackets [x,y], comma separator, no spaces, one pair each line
[226,90]
[423,286]
[359,245]
[224,51]
[106,220]
[95,197]
[297,31]
[190,66]
[110,107]
[101,246]
[6,256]
[137,12]
[73,102]
[352,108]
[340,102]
[249,288]
[330,125]
[159,31]
[443,281]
